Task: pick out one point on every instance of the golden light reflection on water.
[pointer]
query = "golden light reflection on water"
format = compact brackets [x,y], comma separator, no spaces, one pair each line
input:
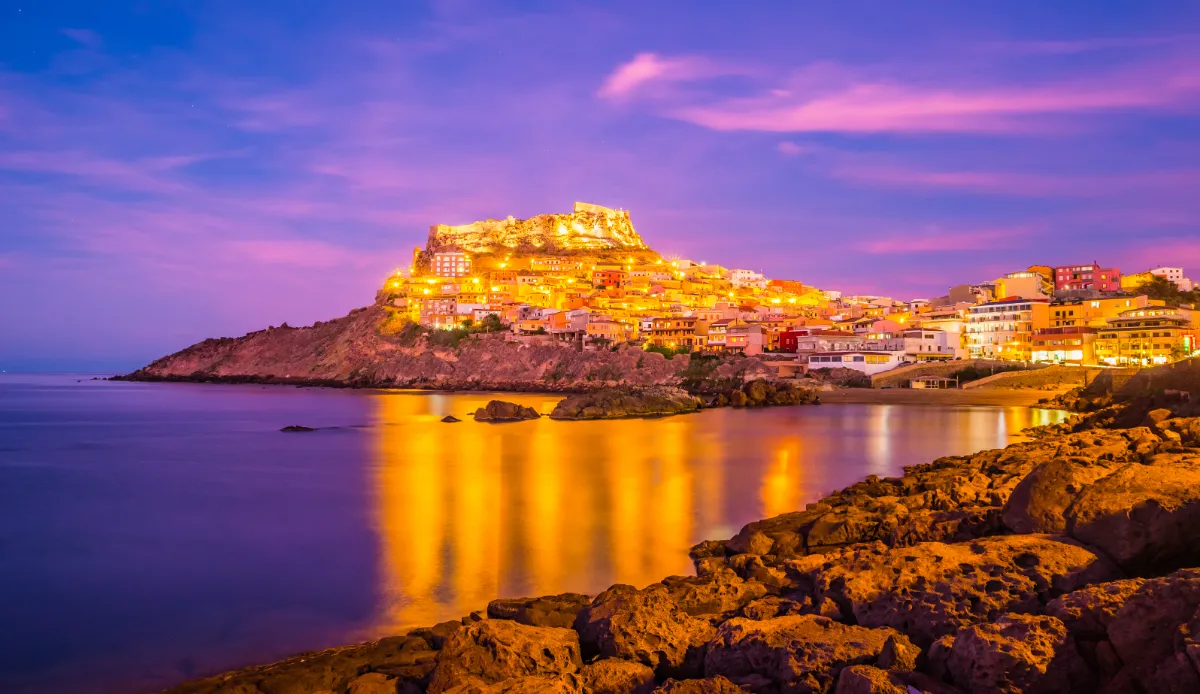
[470,512]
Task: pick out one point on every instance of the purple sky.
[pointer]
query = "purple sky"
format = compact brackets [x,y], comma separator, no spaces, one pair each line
[173,174]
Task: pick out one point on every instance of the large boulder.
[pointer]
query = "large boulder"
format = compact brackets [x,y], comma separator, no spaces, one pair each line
[494,650]
[799,653]
[720,592]
[1146,517]
[546,611]
[1018,654]
[616,676]
[1154,635]
[935,589]
[645,626]
[614,403]
[1039,500]
[501,411]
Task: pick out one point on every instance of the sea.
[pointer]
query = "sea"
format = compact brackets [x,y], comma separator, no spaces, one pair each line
[156,532]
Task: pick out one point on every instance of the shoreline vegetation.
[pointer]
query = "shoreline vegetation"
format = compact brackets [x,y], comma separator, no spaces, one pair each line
[1065,563]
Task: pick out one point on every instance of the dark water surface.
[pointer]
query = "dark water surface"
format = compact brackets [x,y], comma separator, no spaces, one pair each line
[154,532]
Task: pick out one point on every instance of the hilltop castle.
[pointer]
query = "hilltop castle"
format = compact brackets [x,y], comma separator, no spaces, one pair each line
[587,227]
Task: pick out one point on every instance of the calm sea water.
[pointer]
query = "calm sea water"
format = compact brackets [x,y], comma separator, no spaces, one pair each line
[155,532]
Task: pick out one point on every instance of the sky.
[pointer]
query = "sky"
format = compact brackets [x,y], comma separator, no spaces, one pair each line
[171,171]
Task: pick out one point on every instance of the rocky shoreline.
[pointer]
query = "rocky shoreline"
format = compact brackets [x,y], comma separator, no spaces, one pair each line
[1067,563]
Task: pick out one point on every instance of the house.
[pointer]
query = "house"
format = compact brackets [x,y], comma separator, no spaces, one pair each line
[929,344]
[717,331]
[868,362]
[1073,278]
[744,339]
[679,332]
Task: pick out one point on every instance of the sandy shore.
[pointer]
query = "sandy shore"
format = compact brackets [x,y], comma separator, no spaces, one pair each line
[905,396]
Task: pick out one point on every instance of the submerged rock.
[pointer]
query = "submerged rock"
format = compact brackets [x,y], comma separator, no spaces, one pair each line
[501,411]
[450,419]
[297,427]
[614,403]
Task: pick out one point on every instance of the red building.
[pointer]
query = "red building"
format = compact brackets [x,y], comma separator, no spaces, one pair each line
[1078,277]
[615,279]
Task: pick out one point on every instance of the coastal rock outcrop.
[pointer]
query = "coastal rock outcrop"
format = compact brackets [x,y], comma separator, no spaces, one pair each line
[501,411]
[1029,654]
[613,403]
[546,611]
[494,650]
[797,653]
[645,626]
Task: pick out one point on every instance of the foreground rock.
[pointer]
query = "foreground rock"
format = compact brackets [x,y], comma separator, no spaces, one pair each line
[801,653]
[494,650]
[614,403]
[501,411]
[644,626]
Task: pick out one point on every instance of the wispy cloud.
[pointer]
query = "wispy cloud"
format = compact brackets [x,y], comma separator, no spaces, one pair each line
[791,149]
[84,37]
[647,69]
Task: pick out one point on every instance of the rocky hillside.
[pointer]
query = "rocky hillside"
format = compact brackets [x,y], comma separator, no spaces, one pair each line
[586,228]
[371,347]
[1063,564]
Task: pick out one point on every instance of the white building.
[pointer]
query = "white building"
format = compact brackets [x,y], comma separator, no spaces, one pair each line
[867,362]
[924,344]
[1174,275]
[747,278]
[451,264]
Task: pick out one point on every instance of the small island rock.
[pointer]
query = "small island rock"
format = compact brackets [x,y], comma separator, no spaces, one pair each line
[501,411]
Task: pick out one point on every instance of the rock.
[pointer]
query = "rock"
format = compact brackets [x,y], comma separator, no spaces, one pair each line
[645,626]
[770,607]
[400,661]
[614,403]
[1038,502]
[533,684]
[1146,517]
[721,592]
[436,635]
[616,676]
[546,611]
[865,679]
[450,419]
[1153,633]
[935,589]
[708,685]
[494,650]
[1019,654]
[501,411]
[795,654]
[297,427]
[1087,612]
[372,683]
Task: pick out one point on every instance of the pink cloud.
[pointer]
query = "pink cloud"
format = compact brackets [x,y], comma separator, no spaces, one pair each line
[825,97]
[90,167]
[939,240]
[84,37]
[1016,183]
[648,68]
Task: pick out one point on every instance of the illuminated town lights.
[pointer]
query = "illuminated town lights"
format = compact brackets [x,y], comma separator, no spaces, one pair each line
[495,288]
[425,291]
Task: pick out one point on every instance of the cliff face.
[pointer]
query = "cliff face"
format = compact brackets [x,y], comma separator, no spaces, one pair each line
[587,228]
[358,350]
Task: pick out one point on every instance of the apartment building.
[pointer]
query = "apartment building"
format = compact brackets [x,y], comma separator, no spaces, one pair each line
[1146,336]
[1004,329]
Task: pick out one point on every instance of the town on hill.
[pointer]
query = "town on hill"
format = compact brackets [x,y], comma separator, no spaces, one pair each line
[587,278]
